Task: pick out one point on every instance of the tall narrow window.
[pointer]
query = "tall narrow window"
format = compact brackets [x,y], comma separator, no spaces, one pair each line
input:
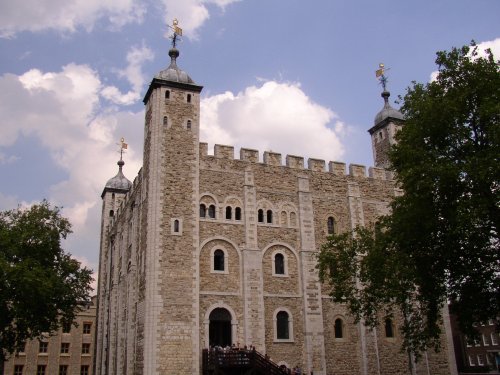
[279,264]
[282,326]
[111,213]
[331,225]
[203,210]
[64,347]
[43,348]
[167,94]
[211,211]
[165,120]
[284,219]
[218,260]
[338,328]
[237,213]
[229,213]
[18,370]
[189,98]
[40,369]
[85,370]
[176,226]
[261,216]
[269,216]
[86,328]
[63,370]
[389,328]
[188,126]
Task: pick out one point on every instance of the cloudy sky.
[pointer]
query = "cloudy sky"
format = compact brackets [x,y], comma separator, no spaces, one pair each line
[296,77]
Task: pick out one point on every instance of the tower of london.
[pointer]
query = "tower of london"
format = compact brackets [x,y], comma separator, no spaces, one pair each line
[204,251]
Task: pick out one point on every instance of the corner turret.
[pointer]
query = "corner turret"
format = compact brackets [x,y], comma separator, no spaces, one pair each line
[387,122]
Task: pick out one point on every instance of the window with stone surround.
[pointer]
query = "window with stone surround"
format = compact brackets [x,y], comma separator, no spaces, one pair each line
[203,210]
[471,361]
[85,370]
[40,369]
[494,338]
[260,216]
[269,216]
[18,369]
[237,213]
[211,211]
[338,328]
[167,94]
[165,120]
[279,264]
[480,360]
[331,225]
[389,328]
[87,328]
[188,125]
[188,98]
[219,260]
[63,370]
[229,213]
[283,325]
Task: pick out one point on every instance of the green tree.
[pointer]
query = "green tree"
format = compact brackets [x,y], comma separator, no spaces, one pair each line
[41,286]
[441,241]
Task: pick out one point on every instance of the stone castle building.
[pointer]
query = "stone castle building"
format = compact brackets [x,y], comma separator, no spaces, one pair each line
[203,250]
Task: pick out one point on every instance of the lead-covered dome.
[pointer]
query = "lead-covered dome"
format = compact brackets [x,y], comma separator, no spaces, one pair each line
[173,73]
[119,182]
[387,111]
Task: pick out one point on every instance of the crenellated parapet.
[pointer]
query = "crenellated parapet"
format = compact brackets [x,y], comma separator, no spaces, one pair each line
[225,152]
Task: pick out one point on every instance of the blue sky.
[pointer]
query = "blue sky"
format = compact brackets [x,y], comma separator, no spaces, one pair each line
[290,76]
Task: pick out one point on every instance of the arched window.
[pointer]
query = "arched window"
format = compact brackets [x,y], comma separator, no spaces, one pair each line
[269,216]
[282,326]
[211,211]
[279,264]
[339,328]
[188,126]
[203,210]
[284,219]
[189,98]
[165,120]
[167,94]
[229,213]
[176,226]
[331,225]
[218,260]
[237,213]
[389,328]
[261,216]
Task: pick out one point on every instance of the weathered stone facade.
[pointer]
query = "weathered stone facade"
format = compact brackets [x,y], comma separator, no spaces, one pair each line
[210,249]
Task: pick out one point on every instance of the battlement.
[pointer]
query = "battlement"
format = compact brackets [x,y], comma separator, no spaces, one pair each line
[295,162]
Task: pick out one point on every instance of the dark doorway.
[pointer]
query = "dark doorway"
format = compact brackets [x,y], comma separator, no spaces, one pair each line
[220,328]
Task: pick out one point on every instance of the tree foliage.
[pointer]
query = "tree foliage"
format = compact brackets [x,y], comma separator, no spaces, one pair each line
[41,286]
[441,241]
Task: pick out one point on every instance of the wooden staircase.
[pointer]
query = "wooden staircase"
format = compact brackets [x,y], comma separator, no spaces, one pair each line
[238,362]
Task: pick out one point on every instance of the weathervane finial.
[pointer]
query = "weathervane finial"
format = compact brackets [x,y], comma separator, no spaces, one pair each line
[380,74]
[177,32]
[123,146]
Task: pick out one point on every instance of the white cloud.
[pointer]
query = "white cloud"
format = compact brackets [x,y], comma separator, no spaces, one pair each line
[8,159]
[65,15]
[191,13]
[275,116]
[63,111]
[493,45]
[133,74]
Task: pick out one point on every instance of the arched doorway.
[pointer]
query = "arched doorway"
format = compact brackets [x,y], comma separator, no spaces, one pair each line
[220,327]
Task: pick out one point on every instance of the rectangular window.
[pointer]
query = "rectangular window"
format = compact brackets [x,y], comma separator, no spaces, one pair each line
[86,328]
[44,346]
[84,370]
[85,348]
[494,338]
[63,370]
[66,328]
[40,370]
[471,361]
[18,370]
[480,360]
[64,347]
[485,340]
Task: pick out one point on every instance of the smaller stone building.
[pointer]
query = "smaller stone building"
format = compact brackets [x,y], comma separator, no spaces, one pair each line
[68,352]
